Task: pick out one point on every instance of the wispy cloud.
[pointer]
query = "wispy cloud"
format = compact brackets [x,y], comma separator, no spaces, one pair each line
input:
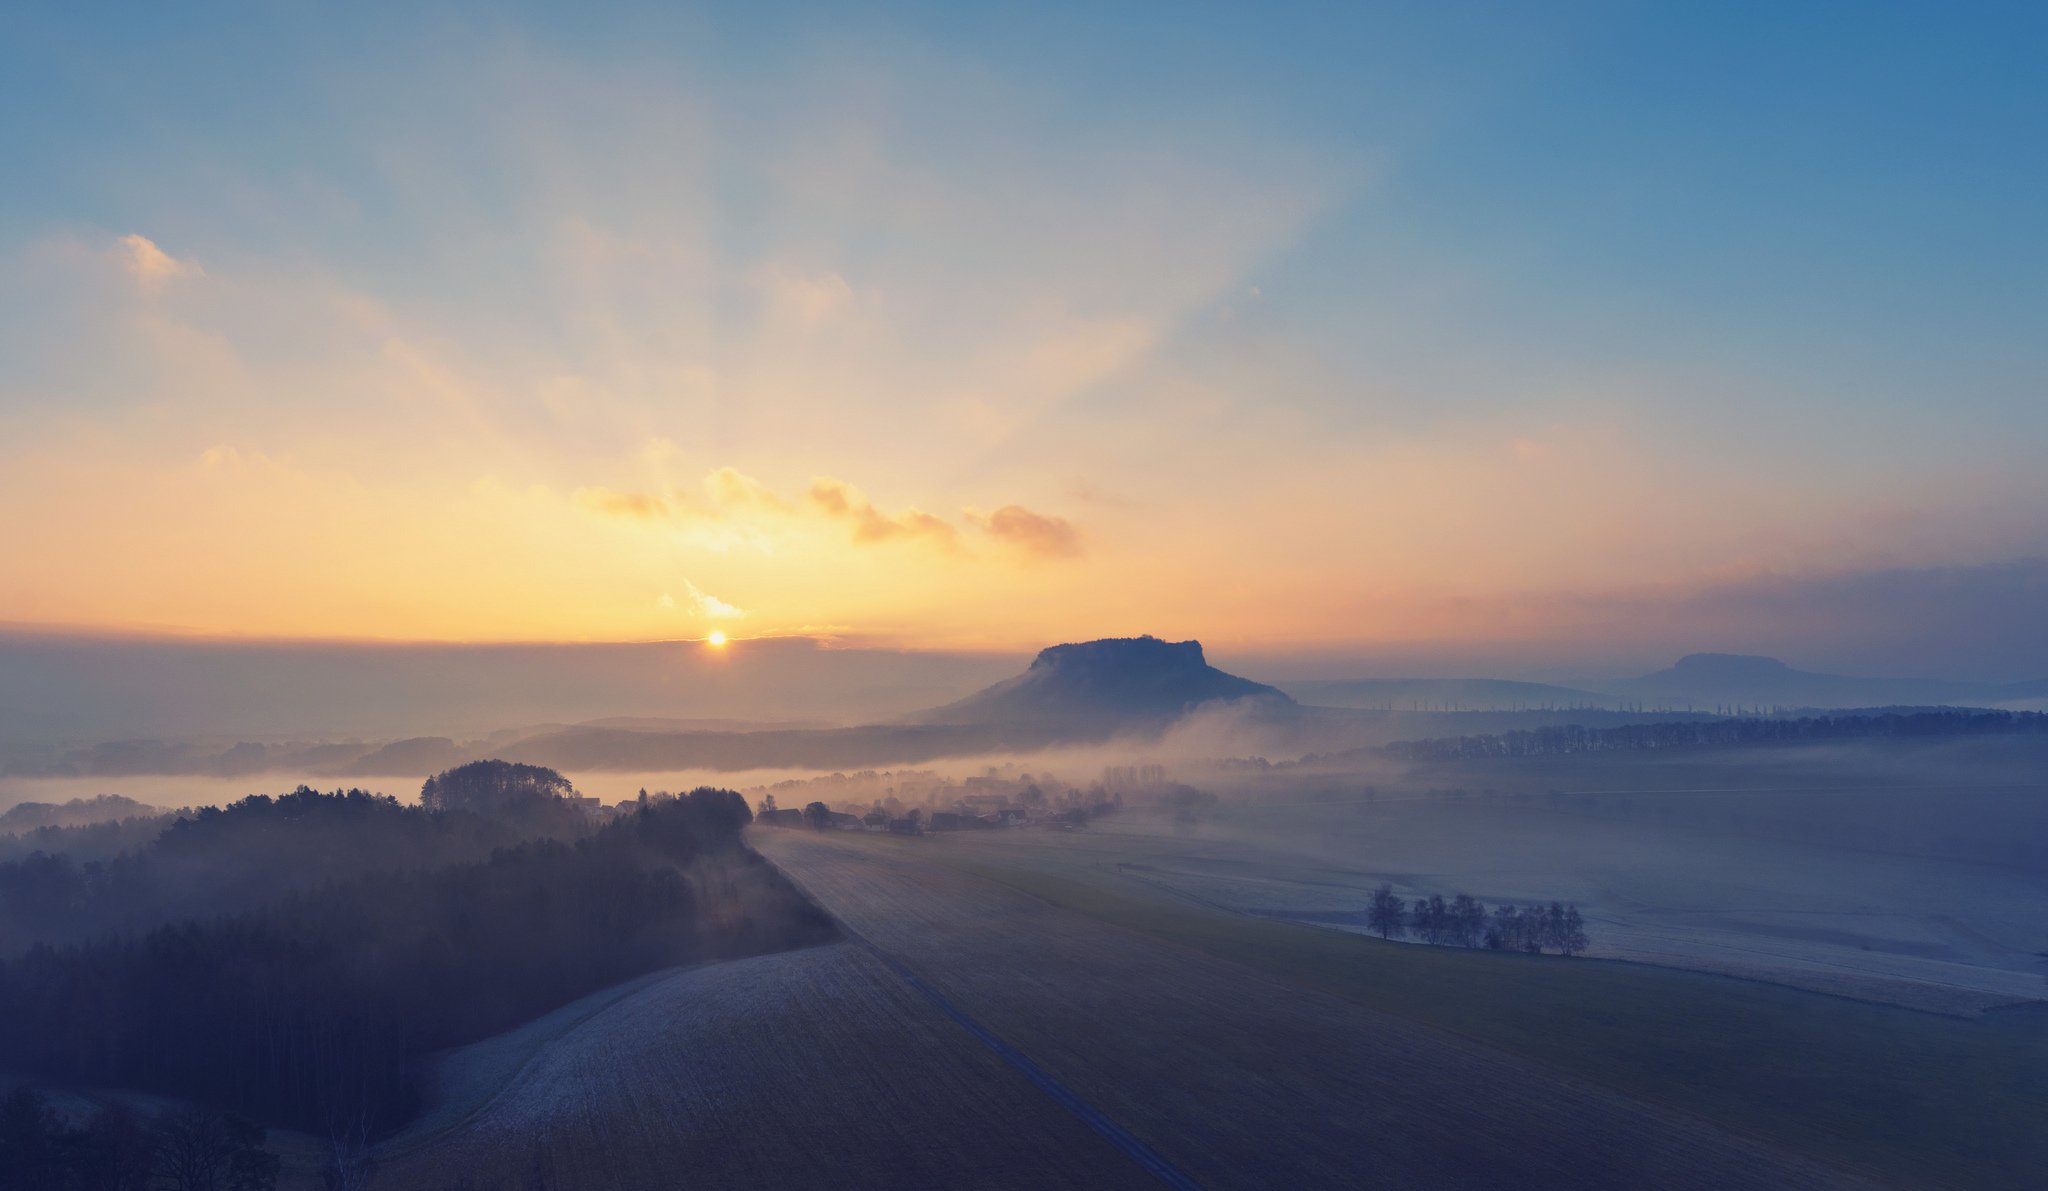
[731,498]
[1034,534]
[622,504]
[842,501]
[701,603]
[151,266]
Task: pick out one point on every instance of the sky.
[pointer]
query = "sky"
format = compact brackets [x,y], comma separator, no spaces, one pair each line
[1488,333]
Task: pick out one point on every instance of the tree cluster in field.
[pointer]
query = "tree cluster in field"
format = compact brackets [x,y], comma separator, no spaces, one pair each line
[317,999]
[1577,738]
[118,1149]
[1464,921]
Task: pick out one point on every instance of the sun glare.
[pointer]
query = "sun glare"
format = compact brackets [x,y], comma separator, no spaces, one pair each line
[717,639]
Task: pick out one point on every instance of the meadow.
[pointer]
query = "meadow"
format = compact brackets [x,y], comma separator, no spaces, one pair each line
[1900,1096]
[1244,1073]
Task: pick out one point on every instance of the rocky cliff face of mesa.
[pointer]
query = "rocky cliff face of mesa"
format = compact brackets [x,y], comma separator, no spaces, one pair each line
[1122,679]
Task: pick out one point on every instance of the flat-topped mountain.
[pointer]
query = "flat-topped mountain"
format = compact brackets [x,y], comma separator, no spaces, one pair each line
[1114,680]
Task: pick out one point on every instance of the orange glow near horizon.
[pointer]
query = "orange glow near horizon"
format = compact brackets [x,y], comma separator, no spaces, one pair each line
[1118,414]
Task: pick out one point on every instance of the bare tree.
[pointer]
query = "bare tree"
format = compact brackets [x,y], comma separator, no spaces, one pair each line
[1467,920]
[1506,930]
[1388,914]
[1571,938]
[351,1163]
[203,1149]
[1430,918]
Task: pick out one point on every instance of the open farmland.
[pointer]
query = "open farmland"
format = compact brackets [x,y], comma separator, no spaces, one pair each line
[1905,872]
[1925,933]
[1906,1098]
[1239,1077]
[810,1068]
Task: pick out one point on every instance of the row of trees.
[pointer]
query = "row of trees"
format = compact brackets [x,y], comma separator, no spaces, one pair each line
[1464,921]
[181,1149]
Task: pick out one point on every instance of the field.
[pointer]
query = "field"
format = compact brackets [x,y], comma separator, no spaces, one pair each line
[1240,1076]
[1023,1007]
[1927,934]
[810,1068]
[1903,1097]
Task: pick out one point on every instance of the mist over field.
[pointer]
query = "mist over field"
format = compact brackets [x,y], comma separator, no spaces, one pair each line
[619,597]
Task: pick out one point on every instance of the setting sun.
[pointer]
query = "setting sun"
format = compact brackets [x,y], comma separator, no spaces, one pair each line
[717,639]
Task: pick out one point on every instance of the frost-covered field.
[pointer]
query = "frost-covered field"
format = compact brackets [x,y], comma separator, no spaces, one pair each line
[1240,1078]
[1679,889]
[809,1068]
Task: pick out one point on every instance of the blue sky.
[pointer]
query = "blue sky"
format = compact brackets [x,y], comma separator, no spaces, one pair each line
[1753,292]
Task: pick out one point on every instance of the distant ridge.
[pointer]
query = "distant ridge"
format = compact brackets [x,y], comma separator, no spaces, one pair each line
[1728,683]
[1709,679]
[1113,682]
[1443,694]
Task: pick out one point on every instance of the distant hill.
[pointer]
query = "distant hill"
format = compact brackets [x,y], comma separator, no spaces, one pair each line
[106,808]
[1444,694]
[1696,682]
[1710,679]
[1114,682]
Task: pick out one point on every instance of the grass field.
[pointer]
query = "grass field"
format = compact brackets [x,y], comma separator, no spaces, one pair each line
[1901,1096]
[811,1068]
[1239,1074]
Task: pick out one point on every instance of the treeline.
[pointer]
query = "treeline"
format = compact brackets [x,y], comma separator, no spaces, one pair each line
[1464,921]
[1576,738]
[118,1149]
[216,860]
[86,841]
[318,1007]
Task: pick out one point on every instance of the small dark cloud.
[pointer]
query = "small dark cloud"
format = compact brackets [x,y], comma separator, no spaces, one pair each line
[838,499]
[1034,534]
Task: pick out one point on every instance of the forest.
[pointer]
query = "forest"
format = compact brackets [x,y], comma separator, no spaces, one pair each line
[312,949]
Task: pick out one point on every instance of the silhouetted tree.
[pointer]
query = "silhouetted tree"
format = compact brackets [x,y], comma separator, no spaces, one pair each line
[1467,920]
[30,1148]
[1504,932]
[818,815]
[1387,914]
[115,1152]
[493,787]
[351,1162]
[1571,935]
[1431,919]
[203,1149]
